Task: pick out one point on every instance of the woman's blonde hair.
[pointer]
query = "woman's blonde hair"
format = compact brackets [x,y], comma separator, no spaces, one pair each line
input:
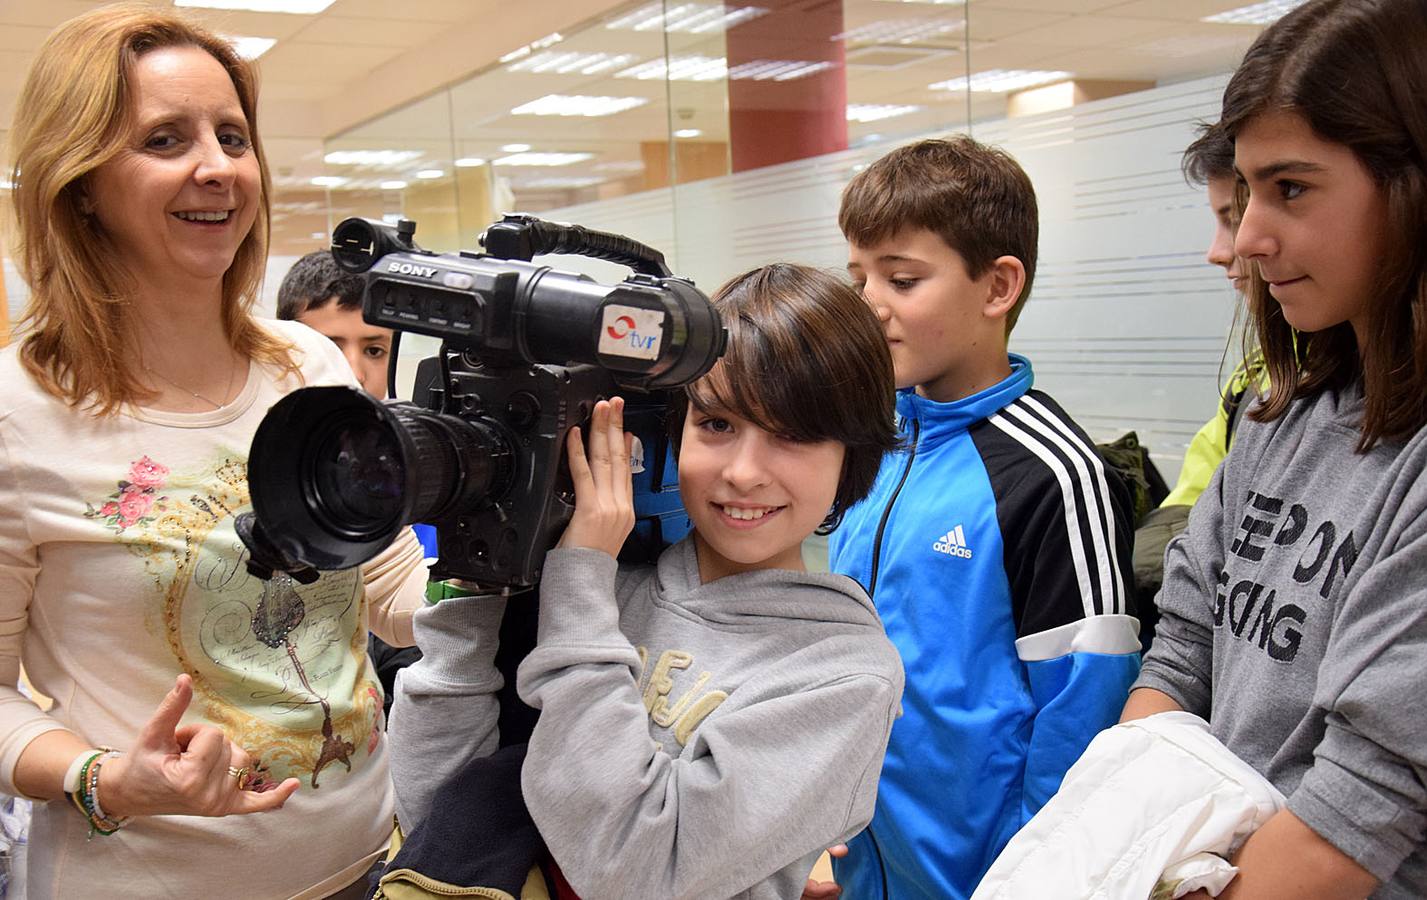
[73,116]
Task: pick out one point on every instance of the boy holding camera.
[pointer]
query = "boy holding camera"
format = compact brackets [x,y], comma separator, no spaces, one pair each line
[710,723]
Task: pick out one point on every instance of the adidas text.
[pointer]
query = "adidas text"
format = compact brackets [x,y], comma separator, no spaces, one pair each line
[953,543]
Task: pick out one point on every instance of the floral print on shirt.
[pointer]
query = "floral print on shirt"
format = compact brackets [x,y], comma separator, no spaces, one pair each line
[280,667]
[137,500]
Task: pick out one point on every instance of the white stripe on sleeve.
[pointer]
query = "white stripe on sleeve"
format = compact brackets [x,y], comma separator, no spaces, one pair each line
[1072,525]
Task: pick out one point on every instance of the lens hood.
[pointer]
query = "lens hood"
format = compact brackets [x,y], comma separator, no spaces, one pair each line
[330,478]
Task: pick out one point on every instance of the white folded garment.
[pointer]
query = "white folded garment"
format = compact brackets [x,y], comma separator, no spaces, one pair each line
[1144,801]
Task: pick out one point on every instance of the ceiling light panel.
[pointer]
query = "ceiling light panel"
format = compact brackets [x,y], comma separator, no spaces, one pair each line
[548,40]
[577,105]
[250,47]
[621,165]
[876,112]
[1000,81]
[688,18]
[714,68]
[542,159]
[296,7]
[679,68]
[558,183]
[563,62]
[903,31]
[777,70]
[386,158]
[1257,14]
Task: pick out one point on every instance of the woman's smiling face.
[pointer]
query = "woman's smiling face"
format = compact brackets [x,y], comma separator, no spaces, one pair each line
[181,196]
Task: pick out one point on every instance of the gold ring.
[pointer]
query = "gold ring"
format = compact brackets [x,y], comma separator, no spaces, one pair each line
[240,775]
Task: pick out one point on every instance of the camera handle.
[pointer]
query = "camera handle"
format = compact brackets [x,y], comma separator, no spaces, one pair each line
[523,237]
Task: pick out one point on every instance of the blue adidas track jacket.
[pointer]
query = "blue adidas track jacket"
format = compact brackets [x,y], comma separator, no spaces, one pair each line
[996,548]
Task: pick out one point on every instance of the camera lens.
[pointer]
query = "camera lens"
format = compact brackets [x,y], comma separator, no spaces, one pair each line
[335,473]
[359,476]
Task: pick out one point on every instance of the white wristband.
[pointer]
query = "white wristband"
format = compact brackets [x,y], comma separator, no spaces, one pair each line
[71,775]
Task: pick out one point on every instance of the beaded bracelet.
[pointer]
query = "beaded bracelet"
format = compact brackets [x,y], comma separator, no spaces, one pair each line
[86,796]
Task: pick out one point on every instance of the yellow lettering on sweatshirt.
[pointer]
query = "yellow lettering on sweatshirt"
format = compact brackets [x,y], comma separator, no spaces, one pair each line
[660,683]
[694,704]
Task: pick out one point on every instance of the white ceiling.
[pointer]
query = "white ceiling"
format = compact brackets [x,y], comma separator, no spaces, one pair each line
[368,74]
[355,60]
[1144,41]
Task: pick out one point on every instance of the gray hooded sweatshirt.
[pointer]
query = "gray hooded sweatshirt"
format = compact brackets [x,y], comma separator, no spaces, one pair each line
[695,740]
[1294,618]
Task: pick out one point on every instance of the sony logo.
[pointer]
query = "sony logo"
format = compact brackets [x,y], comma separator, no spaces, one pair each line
[402,268]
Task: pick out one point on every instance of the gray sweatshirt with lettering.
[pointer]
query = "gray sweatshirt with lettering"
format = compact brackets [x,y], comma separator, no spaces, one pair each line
[1294,618]
[695,740]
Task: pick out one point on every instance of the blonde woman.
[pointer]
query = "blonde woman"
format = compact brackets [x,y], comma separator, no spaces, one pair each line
[249,758]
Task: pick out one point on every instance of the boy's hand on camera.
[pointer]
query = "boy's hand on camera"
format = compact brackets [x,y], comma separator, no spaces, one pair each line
[604,483]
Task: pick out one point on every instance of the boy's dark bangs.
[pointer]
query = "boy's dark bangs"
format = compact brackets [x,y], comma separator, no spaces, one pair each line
[768,385]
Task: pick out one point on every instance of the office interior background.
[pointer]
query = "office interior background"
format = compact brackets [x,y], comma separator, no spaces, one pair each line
[722,134]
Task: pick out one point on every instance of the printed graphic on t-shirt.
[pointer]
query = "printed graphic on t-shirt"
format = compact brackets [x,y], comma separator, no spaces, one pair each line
[673,673]
[137,500]
[280,667]
[1274,617]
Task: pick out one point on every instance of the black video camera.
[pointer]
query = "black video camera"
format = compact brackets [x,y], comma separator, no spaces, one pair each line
[526,352]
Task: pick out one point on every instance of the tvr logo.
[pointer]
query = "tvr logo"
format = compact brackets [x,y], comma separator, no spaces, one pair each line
[953,543]
[631,331]
[624,328]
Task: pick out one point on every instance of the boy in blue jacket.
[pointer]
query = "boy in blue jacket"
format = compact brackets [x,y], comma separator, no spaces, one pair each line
[996,545]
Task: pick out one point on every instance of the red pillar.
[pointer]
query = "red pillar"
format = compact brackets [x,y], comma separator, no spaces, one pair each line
[772,121]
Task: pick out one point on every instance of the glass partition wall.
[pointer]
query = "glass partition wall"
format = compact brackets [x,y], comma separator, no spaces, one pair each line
[721,133]
[650,97]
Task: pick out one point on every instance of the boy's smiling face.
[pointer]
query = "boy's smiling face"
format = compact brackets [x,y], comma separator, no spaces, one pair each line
[753,496]
[933,313]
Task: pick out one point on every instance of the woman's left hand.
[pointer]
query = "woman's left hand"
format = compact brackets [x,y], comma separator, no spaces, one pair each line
[604,483]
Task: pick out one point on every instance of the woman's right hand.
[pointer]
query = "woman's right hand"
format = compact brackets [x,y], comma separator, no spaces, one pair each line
[176,769]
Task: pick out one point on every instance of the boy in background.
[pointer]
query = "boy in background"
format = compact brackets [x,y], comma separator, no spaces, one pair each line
[995,545]
[324,298]
[1208,161]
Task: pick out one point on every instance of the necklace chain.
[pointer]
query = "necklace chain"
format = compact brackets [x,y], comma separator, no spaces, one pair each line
[209,400]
